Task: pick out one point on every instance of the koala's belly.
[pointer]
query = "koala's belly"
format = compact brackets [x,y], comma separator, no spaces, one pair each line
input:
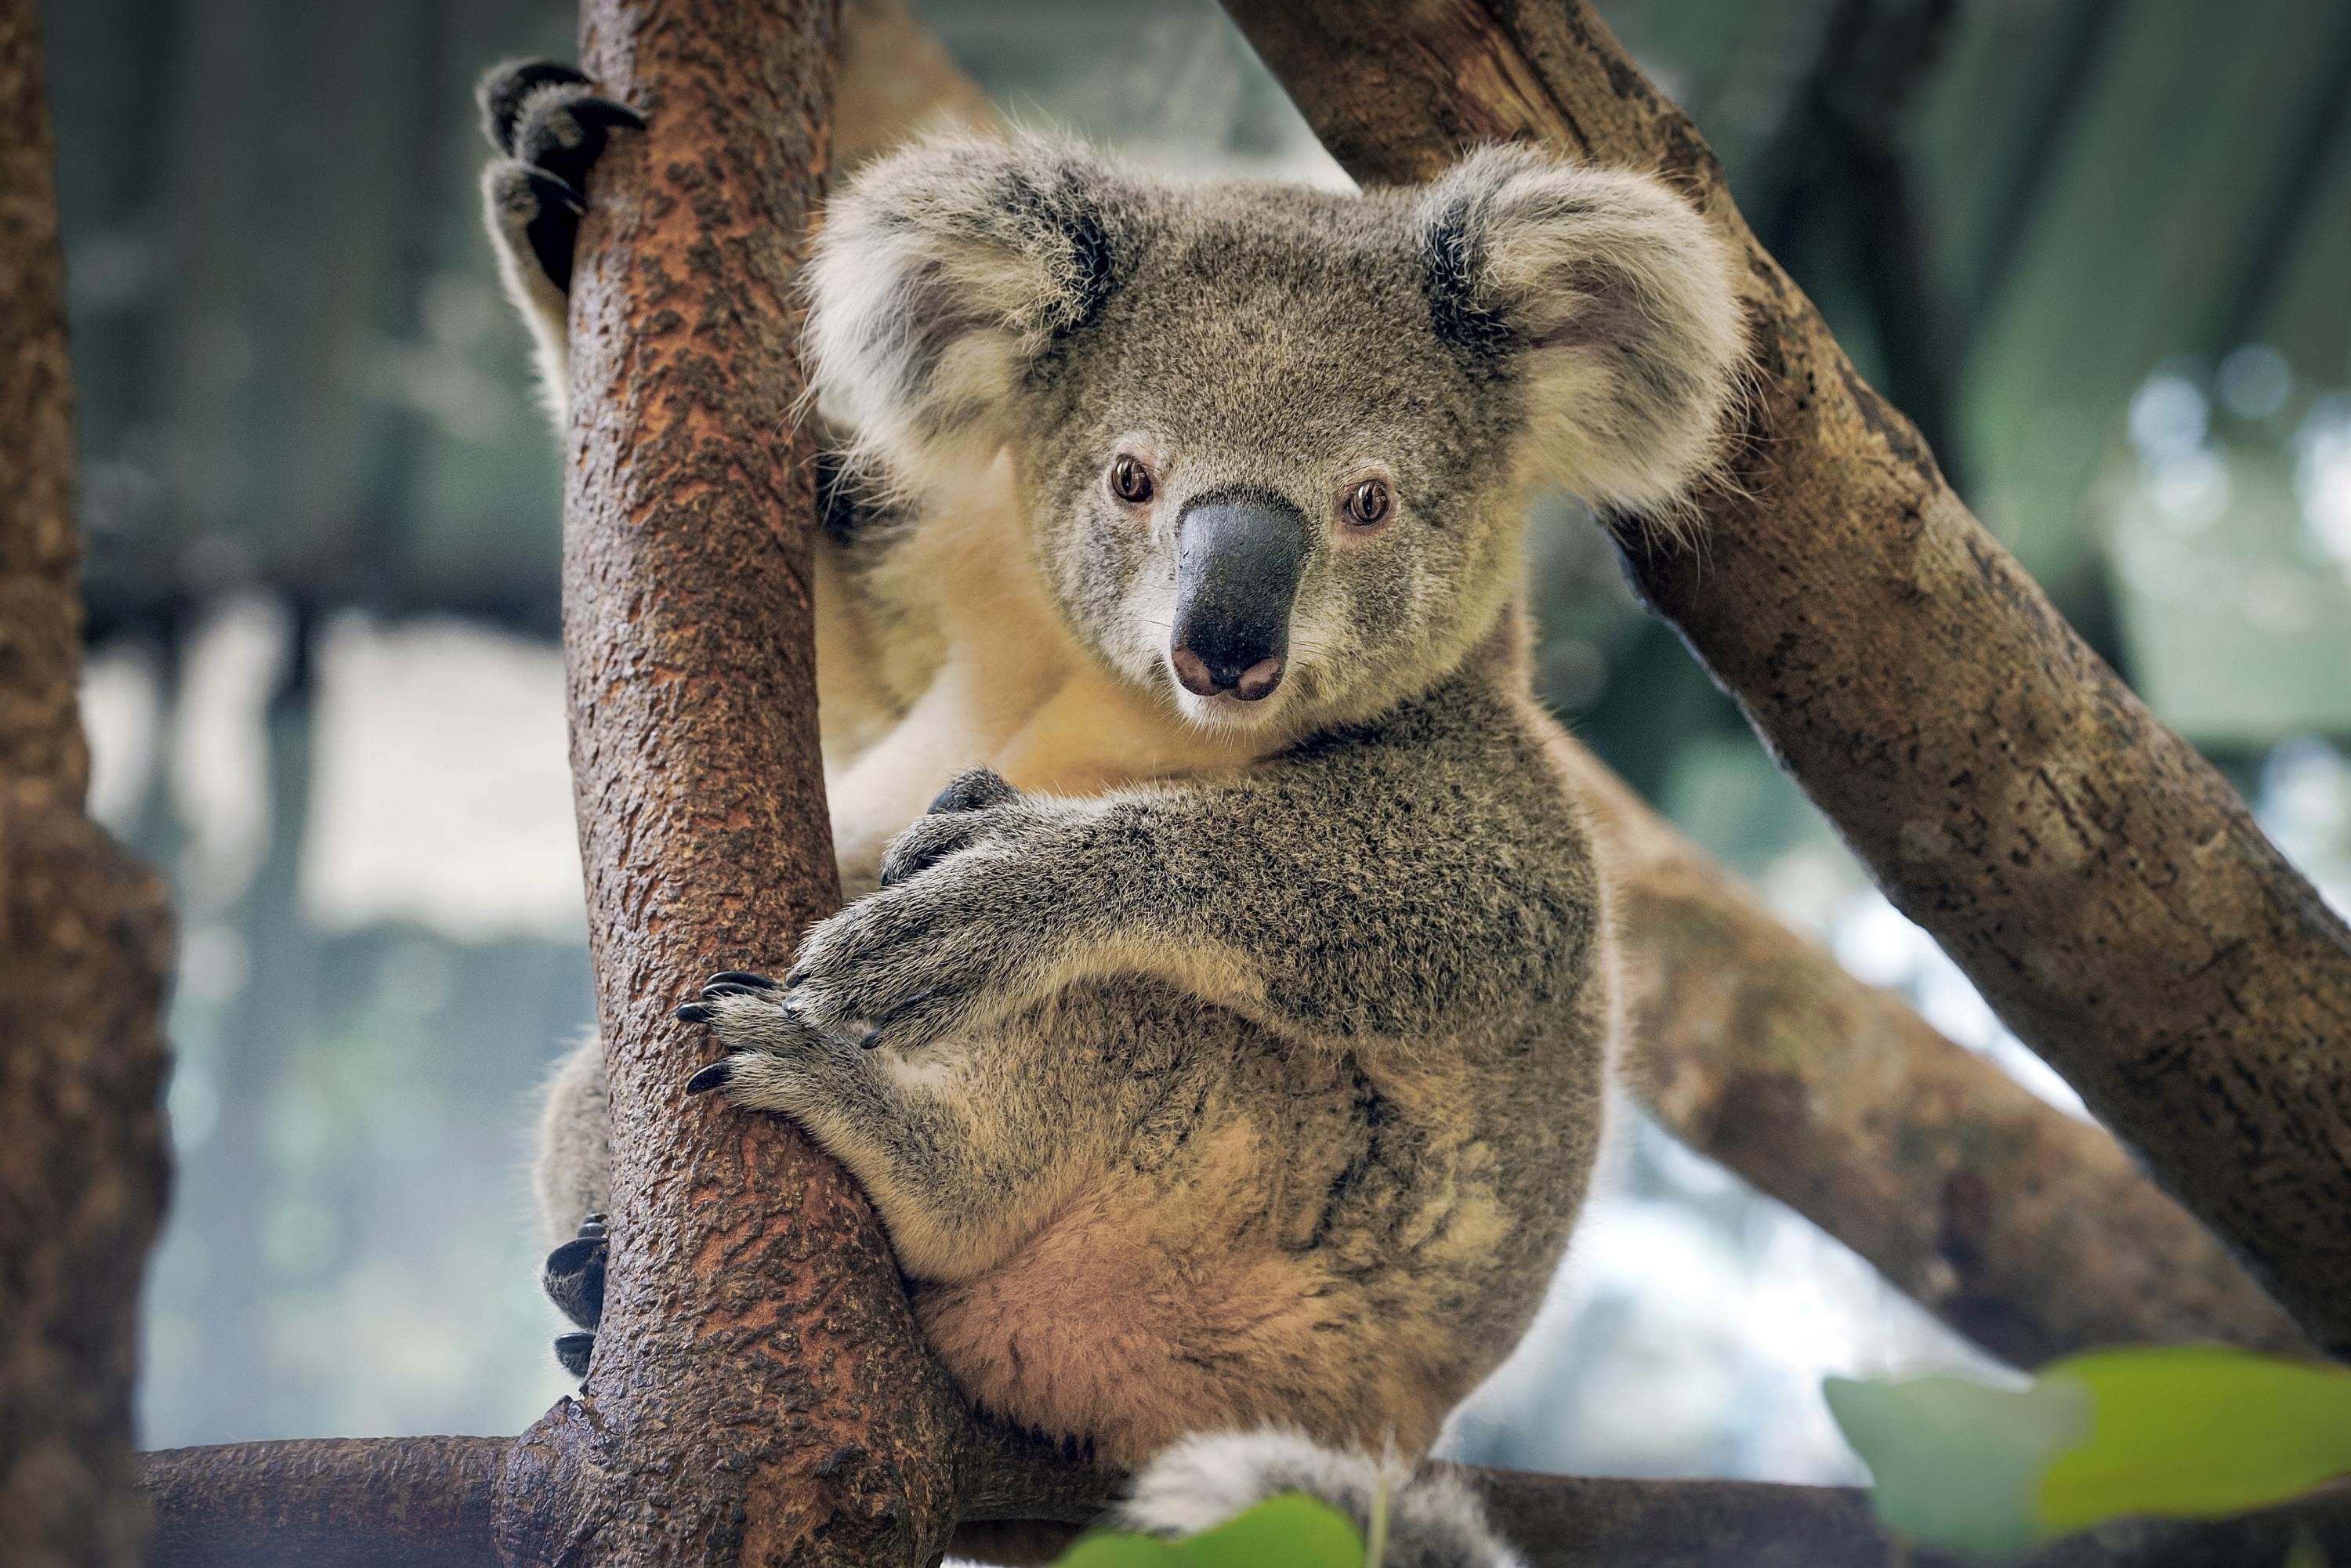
[1289,1242]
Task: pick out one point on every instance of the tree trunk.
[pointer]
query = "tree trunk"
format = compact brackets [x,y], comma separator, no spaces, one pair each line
[85,943]
[759,1393]
[2101,885]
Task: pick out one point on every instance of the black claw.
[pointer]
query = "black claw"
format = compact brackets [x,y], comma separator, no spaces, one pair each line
[728,989]
[798,973]
[872,1038]
[743,978]
[555,191]
[573,1350]
[711,1077]
[606,111]
[696,1012]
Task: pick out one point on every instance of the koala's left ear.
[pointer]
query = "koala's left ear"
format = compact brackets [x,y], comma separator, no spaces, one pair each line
[944,271]
[1613,304]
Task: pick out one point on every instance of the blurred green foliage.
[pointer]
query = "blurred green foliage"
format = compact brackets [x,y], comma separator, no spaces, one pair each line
[2183,1432]
[1287,1531]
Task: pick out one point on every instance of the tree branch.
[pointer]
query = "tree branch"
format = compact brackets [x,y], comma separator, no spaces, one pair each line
[2024,1229]
[328,1503]
[84,941]
[426,1502]
[2103,886]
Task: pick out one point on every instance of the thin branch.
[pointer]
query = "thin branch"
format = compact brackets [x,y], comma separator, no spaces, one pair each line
[328,1503]
[2099,882]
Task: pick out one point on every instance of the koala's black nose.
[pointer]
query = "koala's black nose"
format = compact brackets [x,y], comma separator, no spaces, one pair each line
[1237,558]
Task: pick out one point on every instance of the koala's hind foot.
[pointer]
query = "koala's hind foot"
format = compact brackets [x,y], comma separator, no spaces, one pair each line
[573,1278]
[551,125]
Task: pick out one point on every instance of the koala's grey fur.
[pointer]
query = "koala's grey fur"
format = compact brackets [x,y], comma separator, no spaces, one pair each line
[1434,1521]
[1234,1063]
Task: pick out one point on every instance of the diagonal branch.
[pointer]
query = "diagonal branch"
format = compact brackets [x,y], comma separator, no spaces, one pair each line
[2024,1229]
[2102,884]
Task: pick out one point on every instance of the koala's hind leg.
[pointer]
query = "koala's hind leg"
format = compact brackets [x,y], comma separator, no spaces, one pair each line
[573,1278]
[572,1175]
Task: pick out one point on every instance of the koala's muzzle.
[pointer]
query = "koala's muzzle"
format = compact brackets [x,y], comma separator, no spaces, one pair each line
[1238,556]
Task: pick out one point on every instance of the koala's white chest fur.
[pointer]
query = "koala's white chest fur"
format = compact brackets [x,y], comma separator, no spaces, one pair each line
[997,681]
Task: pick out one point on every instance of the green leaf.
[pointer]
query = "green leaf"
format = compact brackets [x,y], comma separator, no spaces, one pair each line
[2197,1432]
[1956,1462]
[1288,1532]
[1112,1549]
[2187,1432]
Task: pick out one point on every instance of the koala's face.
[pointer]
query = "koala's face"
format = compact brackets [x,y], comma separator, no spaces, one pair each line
[1257,478]
[1273,443]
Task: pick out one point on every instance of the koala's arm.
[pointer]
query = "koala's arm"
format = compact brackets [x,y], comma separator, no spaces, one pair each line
[1410,884]
[549,125]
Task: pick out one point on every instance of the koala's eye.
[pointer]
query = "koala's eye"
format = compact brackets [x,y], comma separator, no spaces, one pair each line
[1368,504]
[1130,481]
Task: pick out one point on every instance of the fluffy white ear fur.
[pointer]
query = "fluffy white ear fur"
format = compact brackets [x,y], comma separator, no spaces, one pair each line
[941,270]
[1434,1521]
[1618,302]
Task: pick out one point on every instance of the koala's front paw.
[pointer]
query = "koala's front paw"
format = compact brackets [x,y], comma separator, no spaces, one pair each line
[952,935]
[775,1062]
[552,126]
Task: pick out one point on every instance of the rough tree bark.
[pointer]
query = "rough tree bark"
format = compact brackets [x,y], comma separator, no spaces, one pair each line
[760,1392]
[85,943]
[2103,885]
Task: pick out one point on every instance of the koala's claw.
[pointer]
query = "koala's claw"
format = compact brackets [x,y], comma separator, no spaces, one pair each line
[714,1076]
[573,1278]
[572,1351]
[725,983]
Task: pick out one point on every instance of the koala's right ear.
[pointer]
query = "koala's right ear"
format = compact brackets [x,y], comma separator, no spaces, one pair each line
[944,271]
[1614,305]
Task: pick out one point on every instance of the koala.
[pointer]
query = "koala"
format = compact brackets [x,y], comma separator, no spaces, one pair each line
[1225,1045]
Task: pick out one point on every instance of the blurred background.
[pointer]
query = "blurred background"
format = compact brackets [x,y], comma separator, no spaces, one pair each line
[2101,252]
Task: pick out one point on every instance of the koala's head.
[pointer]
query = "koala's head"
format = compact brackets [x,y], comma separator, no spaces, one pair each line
[1273,443]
